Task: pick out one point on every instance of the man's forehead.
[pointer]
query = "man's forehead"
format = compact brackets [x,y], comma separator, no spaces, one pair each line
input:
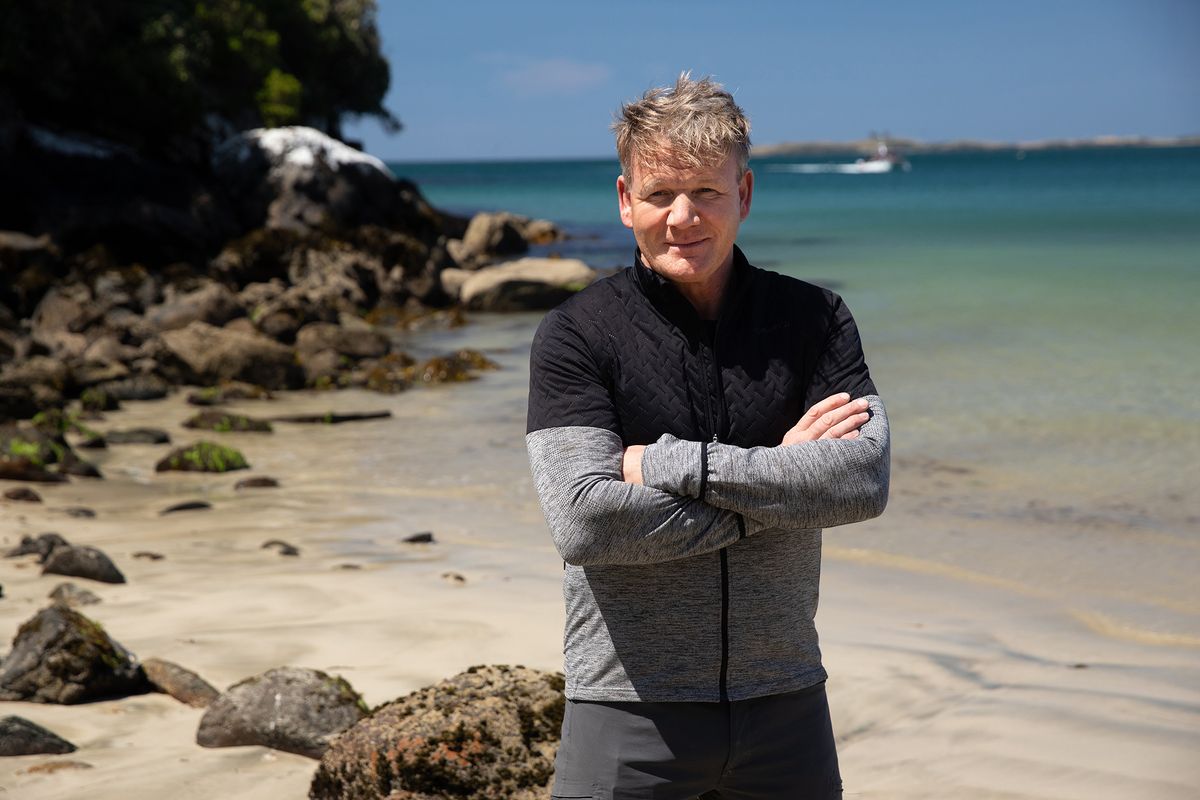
[668,170]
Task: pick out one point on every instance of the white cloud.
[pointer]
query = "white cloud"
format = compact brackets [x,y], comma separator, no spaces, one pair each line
[552,76]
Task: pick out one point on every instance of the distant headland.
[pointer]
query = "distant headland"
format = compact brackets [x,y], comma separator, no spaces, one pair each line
[917,147]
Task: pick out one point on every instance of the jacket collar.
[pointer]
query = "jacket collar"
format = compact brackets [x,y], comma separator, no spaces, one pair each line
[674,306]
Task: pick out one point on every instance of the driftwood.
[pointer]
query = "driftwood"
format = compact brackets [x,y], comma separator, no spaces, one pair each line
[331,418]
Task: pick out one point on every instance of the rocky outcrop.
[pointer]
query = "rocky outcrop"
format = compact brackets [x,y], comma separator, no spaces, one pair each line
[528,284]
[20,737]
[27,453]
[289,708]
[180,683]
[301,179]
[226,422]
[61,656]
[209,355]
[75,561]
[488,732]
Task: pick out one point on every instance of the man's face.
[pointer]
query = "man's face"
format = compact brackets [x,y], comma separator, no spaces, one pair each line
[685,219]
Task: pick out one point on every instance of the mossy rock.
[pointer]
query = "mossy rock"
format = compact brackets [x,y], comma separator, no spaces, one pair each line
[203,457]
[61,656]
[488,732]
[41,451]
[224,422]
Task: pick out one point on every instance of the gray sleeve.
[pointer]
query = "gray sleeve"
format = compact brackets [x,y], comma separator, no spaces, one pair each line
[809,485]
[598,518]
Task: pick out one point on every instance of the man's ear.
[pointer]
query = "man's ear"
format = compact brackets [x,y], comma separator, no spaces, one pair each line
[746,192]
[624,202]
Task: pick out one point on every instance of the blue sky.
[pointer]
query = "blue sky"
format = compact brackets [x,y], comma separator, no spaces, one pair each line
[542,79]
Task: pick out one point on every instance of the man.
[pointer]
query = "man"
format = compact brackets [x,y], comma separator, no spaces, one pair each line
[693,423]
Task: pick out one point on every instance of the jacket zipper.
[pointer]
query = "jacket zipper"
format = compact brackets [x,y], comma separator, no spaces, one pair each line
[715,404]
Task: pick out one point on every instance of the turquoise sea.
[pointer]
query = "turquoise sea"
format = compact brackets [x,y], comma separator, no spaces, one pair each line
[1030,318]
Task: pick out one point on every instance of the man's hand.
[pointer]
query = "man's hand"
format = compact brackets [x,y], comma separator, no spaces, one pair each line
[631,463]
[835,417]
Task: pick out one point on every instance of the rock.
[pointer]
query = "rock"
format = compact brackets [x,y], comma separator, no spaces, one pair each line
[148,555]
[69,594]
[79,512]
[138,436]
[283,547]
[62,315]
[89,374]
[529,284]
[37,370]
[258,482]
[289,708]
[489,235]
[22,494]
[97,400]
[419,538]
[230,390]
[301,179]
[77,561]
[488,732]
[138,387]
[182,684]
[202,457]
[41,546]
[20,737]
[351,342]
[190,505]
[208,355]
[224,422]
[454,578]
[212,303]
[24,469]
[61,656]
[23,448]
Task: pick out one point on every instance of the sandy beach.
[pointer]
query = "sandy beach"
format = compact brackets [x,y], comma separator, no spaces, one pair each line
[972,655]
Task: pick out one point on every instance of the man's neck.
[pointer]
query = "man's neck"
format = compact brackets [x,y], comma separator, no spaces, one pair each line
[705,296]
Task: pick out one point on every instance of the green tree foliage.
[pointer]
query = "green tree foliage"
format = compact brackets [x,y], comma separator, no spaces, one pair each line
[146,71]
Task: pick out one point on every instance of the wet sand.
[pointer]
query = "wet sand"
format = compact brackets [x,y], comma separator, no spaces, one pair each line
[979,647]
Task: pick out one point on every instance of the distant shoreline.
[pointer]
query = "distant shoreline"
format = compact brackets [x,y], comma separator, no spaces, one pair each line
[917,147]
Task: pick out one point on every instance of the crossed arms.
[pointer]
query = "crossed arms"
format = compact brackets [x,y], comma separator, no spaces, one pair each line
[596,516]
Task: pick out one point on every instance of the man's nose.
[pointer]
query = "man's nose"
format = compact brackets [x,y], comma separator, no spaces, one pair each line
[683,212]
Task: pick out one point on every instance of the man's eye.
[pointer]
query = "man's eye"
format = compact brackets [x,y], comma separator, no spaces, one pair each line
[707,192]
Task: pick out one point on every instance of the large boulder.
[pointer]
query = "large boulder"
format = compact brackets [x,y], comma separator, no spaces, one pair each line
[61,656]
[20,737]
[77,561]
[289,708]
[528,284]
[208,355]
[488,732]
[301,179]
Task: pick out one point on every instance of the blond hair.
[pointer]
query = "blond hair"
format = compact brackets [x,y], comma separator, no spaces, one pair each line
[694,123]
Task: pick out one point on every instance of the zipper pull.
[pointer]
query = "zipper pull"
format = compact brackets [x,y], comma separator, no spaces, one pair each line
[714,441]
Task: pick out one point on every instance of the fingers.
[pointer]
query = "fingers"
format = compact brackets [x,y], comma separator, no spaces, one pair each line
[832,418]
[847,428]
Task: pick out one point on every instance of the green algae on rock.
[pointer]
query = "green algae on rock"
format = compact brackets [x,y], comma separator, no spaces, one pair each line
[224,422]
[203,457]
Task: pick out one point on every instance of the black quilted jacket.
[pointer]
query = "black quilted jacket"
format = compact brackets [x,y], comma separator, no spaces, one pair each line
[702,584]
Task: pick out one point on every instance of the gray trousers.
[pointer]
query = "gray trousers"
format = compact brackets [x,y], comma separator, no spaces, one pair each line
[778,747]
